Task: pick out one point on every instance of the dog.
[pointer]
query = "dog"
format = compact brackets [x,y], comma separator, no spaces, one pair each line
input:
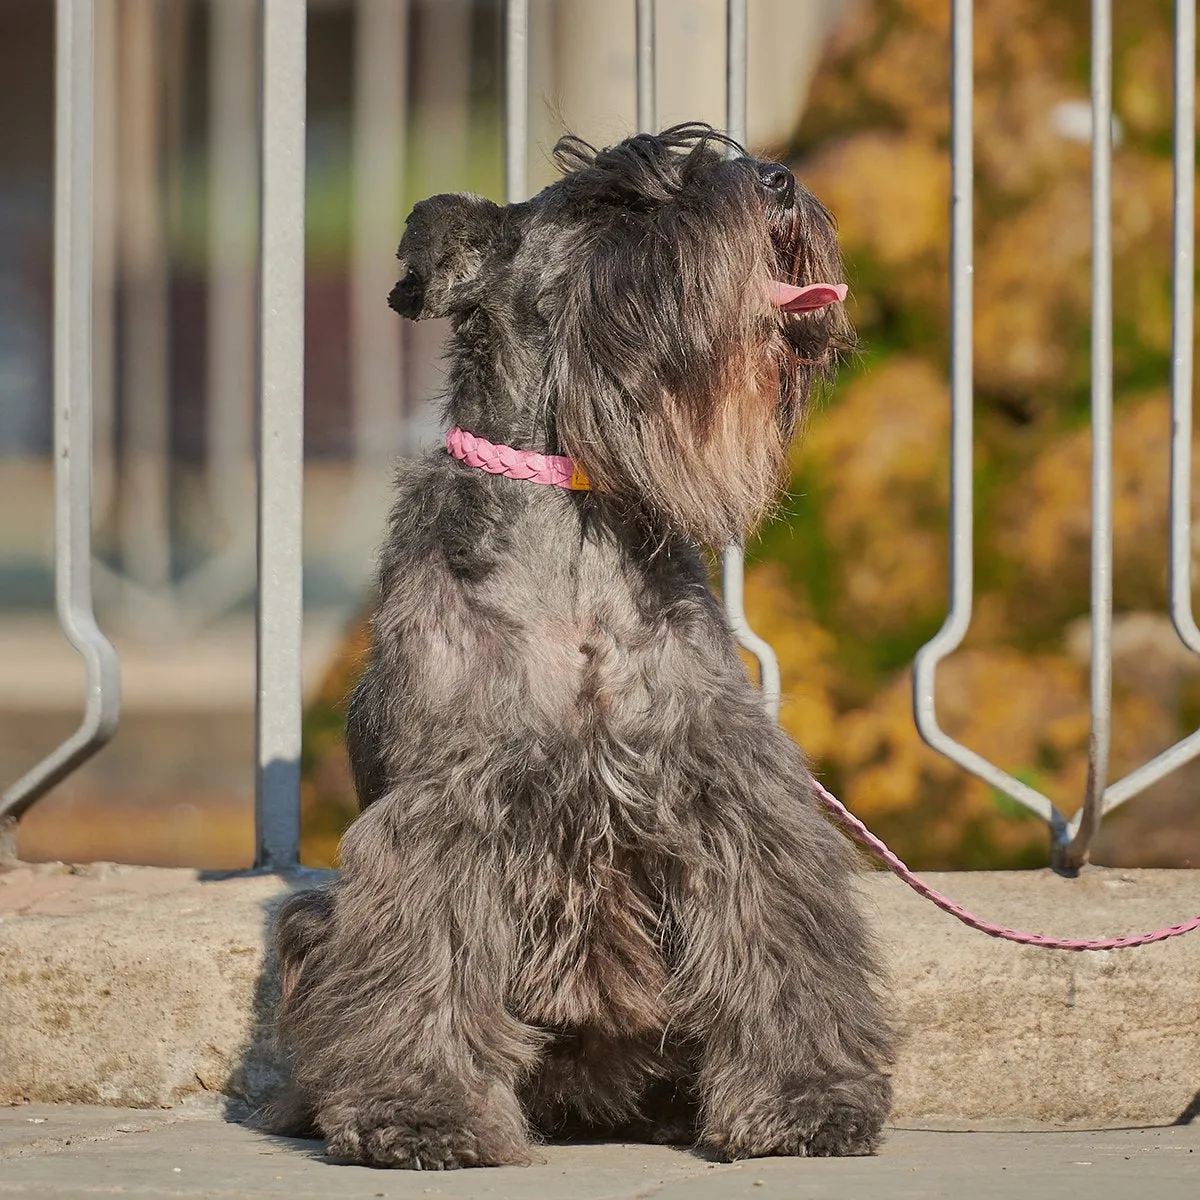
[589,893]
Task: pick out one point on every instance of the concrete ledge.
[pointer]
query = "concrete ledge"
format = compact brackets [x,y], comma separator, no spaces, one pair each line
[142,987]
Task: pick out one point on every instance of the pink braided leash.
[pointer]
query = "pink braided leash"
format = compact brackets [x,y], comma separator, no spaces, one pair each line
[852,826]
[557,470]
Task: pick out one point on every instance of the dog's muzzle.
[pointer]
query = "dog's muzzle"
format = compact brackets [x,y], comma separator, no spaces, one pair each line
[779,182]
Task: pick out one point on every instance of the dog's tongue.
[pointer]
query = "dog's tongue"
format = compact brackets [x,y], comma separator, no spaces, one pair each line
[806,299]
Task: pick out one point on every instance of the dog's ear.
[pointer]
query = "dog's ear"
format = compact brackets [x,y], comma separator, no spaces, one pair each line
[444,245]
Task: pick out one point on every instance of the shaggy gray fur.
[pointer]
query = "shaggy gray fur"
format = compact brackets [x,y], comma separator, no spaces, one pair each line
[589,892]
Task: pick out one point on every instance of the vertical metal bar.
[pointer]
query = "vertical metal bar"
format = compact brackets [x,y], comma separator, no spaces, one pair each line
[1088,820]
[647,118]
[232,192]
[516,100]
[737,41]
[280,434]
[228,575]
[733,580]
[104,415]
[380,424]
[962,309]
[144,520]
[733,558]
[1182,314]
[380,57]
[962,374]
[442,96]
[73,248]
[1182,356]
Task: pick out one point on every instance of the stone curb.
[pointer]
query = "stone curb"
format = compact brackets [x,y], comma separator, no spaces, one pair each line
[143,987]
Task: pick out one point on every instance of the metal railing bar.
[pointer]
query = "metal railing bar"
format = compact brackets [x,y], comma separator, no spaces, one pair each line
[1182,357]
[380,62]
[104,262]
[733,570]
[1087,822]
[516,101]
[958,618]
[280,434]
[441,92]
[143,518]
[1002,781]
[733,558]
[227,577]
[376,367]
[1182,314]
[647,115]
[1157,768]
[232,188]
[736,70]
[73,250]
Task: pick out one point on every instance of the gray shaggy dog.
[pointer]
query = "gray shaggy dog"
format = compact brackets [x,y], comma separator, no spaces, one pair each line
[589,892]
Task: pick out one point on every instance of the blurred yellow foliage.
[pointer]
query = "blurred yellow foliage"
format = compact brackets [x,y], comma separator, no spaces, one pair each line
[874,468]
[327,799]
[853,581]
[1043,518]
[889,194]
[880,452]
[1026,713]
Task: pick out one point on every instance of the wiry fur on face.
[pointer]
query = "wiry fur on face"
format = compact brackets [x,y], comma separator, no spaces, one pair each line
[590,891]
[623,318]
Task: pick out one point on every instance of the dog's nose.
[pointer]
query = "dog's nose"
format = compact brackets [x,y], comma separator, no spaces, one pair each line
[779,181]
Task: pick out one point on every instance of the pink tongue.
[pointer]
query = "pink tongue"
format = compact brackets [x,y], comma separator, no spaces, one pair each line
[808,298]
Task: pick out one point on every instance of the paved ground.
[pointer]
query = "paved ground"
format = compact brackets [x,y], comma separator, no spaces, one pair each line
[67,1151]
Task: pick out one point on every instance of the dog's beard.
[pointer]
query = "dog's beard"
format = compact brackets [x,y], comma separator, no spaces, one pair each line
[674,380]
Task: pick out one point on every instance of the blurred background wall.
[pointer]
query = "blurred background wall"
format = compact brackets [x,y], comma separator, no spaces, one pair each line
[404,100]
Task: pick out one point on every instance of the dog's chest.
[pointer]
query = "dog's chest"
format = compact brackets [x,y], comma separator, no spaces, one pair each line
[590,949]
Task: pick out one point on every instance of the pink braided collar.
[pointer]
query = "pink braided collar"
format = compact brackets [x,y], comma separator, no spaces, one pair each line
[557,470]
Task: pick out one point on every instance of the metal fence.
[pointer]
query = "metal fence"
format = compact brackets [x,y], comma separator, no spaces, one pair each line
[1071,839]
[280,385]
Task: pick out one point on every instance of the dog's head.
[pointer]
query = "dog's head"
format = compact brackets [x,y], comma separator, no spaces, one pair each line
[660,314]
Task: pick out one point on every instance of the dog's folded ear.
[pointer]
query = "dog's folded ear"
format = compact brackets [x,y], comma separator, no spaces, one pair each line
[445,243]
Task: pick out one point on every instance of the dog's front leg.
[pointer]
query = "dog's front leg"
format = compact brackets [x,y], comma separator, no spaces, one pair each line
[395,1022]
[775,979]
[425,1124]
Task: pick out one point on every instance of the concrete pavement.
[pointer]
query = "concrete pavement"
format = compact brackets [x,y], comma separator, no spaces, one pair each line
[65,1151]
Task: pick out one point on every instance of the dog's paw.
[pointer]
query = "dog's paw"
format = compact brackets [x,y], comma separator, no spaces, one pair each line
[406,1146]
[805,1120]
[393,1136]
